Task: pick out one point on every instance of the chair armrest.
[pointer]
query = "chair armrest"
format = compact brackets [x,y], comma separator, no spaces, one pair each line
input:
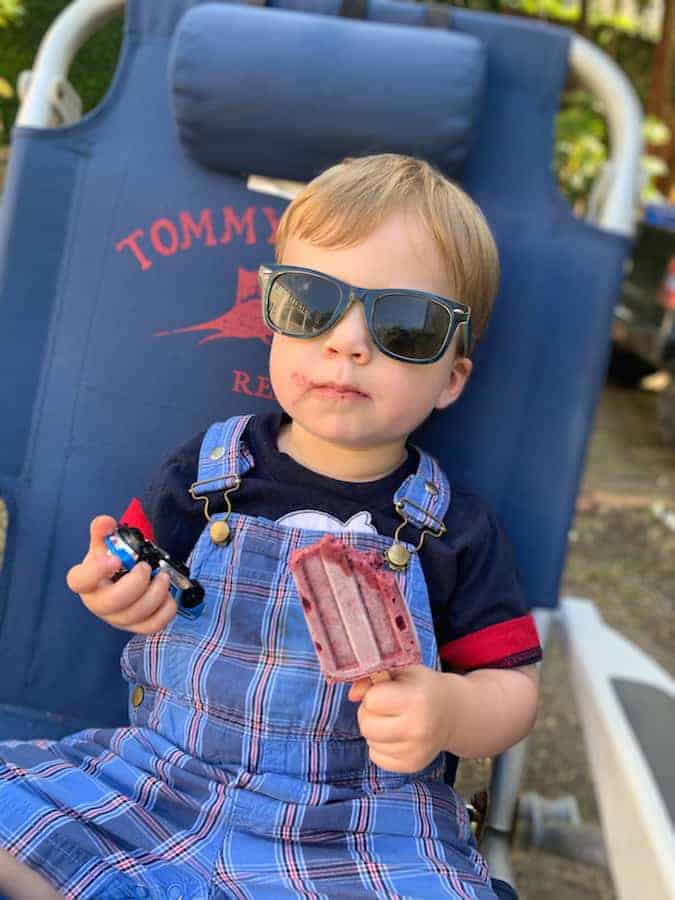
[616,198]
[67,33]
[627,708]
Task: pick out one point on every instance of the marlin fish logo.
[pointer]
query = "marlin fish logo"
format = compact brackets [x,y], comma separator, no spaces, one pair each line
[243,320]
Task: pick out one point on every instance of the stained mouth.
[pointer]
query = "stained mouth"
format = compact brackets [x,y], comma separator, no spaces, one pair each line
[334,388]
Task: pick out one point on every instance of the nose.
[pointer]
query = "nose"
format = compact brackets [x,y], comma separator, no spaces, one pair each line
[349,336]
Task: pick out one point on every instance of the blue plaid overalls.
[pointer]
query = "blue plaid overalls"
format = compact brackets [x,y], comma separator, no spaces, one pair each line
[243,773]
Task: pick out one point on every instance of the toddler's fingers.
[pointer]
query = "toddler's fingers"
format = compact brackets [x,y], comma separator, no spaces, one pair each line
[111,599]
[359,689]
[88,575]
[158,620]
[99,529]
[145,607]
[381,729]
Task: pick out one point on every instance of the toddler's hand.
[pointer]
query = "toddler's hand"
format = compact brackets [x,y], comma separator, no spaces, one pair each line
[133,603]
[405,721]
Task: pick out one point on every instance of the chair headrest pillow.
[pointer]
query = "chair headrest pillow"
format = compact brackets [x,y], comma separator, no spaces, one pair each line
[286,94]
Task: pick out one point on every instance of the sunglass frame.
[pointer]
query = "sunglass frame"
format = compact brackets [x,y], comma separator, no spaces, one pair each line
[459,313]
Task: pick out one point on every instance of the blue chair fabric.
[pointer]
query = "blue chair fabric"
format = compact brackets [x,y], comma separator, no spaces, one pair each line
[341,80]
[130,320]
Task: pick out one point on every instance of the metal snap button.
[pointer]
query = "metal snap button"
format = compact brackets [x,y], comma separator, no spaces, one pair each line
[430,488]
[397,556]
[137,696]
[220,532]
[217,453]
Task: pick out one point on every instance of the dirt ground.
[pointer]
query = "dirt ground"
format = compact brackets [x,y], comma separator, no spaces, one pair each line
[621,557]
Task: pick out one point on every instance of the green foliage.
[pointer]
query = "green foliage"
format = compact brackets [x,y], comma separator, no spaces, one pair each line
[92,68]
[633,53]
[568,12]
[656,134]
[581,149]
[10,11]
[580,146]
[548,9]
[608,25]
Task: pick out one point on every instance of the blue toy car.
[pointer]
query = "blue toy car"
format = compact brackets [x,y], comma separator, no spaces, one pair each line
[129,545]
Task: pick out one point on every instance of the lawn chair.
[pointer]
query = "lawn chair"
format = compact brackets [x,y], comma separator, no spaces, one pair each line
[129,243]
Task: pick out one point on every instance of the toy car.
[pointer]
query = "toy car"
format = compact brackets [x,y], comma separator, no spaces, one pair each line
[129,545]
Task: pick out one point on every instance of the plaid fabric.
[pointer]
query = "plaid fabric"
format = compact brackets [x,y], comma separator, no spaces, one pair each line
[242,774]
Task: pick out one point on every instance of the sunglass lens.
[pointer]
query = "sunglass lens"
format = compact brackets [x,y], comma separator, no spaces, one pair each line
[301,303]
[412,328]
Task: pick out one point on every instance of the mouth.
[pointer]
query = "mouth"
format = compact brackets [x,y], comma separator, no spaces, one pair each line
[338,390]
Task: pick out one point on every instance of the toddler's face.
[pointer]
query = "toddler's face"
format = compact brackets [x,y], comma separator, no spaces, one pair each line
[339,386]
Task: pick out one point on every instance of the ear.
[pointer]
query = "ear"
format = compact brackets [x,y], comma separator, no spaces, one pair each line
[459,375]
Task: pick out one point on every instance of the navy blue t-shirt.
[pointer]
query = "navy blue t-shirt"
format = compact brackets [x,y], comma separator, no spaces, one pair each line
[480,615]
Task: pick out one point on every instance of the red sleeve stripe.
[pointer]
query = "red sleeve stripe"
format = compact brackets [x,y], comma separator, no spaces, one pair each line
[134,515]
[492,644]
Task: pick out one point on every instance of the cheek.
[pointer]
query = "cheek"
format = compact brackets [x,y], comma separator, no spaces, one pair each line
[436,378]
[278,365]
[413,392]
[415,382]
[286,370]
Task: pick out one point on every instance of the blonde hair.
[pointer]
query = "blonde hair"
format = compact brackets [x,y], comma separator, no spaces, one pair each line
[346,202]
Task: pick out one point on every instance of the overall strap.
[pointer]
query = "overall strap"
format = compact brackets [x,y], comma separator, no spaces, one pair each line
[224,458]
[424,497]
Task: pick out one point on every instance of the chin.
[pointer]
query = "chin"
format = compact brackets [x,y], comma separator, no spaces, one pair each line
[338,436]
[357,439]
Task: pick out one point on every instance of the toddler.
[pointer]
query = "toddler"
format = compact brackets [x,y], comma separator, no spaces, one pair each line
[243,773]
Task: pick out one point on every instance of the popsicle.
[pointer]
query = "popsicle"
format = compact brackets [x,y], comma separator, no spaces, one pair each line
[355,613]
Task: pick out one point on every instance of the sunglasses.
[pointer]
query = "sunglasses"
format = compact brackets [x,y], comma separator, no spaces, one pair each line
[411,326]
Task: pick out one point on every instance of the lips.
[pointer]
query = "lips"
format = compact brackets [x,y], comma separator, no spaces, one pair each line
[336,388]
